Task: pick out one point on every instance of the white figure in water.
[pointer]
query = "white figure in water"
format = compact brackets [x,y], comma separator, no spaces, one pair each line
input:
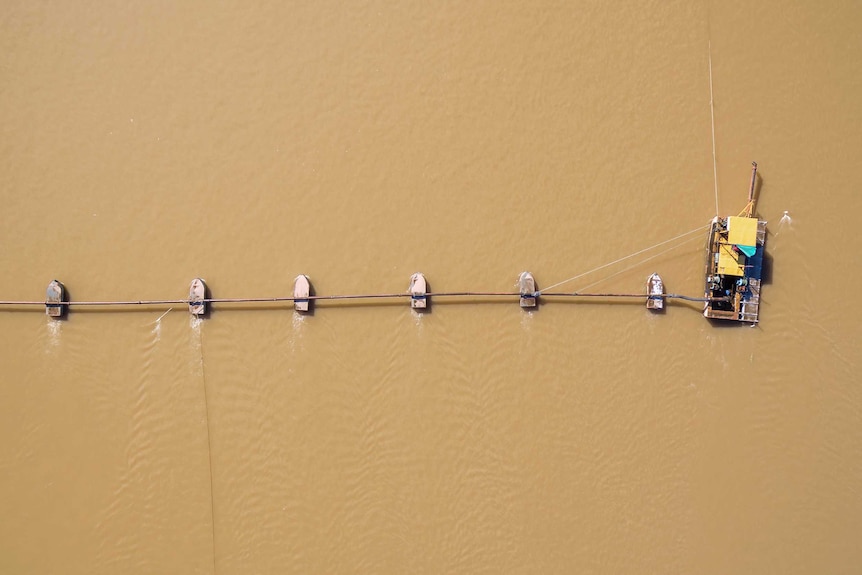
[785,220]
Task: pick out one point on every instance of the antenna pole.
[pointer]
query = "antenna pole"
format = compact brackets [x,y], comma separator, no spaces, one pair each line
[751,189]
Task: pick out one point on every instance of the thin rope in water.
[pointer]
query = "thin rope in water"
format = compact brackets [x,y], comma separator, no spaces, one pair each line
[712,120]
[637,253]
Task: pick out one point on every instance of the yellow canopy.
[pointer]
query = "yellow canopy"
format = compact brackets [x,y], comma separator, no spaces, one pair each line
[742,231]
[728,261]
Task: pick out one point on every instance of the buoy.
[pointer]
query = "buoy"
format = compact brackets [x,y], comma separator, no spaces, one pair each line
[527,289]
[197,295]
[655,293]
[418,287]
[55,294]
[301,291]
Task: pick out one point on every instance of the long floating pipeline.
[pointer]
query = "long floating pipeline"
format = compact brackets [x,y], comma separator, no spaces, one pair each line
[533,294]
[351,296]
[57,303]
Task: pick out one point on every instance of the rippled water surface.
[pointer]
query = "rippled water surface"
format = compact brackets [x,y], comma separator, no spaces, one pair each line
[147,144]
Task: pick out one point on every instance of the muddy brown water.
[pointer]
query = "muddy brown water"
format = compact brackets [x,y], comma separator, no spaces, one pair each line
[145,145]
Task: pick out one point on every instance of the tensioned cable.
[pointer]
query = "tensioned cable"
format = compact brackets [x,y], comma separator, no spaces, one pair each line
[641,262]
[573,278]
[712,120]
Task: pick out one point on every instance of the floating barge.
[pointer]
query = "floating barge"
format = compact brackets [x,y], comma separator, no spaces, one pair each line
[734,263]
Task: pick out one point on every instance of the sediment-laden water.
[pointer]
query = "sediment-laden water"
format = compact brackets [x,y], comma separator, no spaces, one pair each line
[145,145]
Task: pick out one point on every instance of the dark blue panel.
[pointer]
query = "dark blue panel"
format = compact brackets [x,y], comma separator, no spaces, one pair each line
[754,264]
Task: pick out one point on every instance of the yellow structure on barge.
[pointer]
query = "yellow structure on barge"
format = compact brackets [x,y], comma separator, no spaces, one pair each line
[734,263]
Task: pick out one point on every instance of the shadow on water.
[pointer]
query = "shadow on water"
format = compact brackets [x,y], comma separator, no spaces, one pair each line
[591,301]
[758,185]
[64,309]
[728,323]
[138,309]
[208,308]
[312,304]
[766,270]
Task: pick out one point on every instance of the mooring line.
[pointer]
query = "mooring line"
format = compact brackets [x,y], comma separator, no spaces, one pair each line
[639,263]
[712,120]
[601,267]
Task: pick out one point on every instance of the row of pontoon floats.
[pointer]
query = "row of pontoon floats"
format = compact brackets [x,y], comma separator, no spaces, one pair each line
[57,303]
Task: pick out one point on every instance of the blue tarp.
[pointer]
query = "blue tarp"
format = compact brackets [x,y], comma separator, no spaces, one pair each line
[754,264]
